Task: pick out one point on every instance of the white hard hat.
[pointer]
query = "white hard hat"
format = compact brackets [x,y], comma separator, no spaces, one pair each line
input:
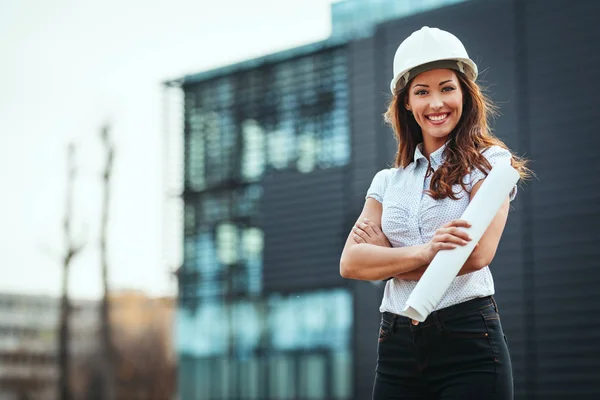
[426,49]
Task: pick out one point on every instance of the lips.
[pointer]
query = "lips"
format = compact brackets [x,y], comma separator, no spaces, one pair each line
[438,118]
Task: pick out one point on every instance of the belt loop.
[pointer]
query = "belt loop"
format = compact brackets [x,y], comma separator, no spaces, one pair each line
[494,303]
[437,320]
[394,319]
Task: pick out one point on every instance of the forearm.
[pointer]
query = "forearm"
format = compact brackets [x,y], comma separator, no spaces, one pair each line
[370,262]
[413,275]
[474,263]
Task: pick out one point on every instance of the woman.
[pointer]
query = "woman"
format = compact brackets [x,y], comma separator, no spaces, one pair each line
[412,211]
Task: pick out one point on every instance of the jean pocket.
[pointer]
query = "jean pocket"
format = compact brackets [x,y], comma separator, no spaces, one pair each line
[468,326]
[489,313]
[384,331]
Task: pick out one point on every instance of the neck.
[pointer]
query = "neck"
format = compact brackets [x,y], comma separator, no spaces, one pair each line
[431,144]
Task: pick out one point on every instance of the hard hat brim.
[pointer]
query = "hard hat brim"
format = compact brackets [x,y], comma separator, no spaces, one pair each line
[469,70]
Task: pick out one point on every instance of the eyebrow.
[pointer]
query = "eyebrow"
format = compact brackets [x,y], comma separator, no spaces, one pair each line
[441,83]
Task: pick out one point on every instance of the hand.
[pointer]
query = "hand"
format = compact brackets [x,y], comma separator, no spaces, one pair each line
[448,237]
[368,232]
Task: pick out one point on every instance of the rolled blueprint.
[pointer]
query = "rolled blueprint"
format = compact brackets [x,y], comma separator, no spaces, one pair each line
[445,265]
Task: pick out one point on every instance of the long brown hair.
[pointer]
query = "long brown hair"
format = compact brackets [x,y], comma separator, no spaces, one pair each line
[465,144]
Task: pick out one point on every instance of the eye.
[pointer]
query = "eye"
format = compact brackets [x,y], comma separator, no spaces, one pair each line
[448,88]
[421,92]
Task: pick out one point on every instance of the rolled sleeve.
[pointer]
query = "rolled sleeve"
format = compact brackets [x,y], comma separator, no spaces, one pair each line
[379,185]
[495,155]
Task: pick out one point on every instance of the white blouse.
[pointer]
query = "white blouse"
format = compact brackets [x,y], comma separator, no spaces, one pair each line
[410,217]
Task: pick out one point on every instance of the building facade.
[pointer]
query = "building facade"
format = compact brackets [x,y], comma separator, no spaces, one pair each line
[242,131]
[28,342]
[279,153]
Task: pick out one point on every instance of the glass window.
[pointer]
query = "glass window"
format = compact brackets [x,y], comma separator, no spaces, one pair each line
[214,150]
[282,378]
[189,252]
[249,375]
[253,156]
[215,207]
[283,114]
[227,243]
[247,200]
[189,219]
[341,375]
[247,335]
[228,144]
[203,379]
[307,149]
[206,254]
[282,146]
[313,376]
[210,331]
[321,319]
[224,92]
[253,244]
[196,159]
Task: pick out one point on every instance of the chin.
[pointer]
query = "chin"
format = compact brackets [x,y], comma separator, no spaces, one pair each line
[439,134]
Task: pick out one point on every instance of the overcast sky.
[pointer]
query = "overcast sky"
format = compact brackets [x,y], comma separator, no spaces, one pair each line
[67,66]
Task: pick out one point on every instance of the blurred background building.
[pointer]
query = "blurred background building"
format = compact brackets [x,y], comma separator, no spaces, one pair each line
[142,336]
[28,343]
[279,152]
[142,330]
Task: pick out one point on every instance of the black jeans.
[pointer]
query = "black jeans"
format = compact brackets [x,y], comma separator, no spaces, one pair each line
[459,352]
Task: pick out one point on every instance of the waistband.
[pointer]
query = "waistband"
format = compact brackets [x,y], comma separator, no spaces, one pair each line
[444,314]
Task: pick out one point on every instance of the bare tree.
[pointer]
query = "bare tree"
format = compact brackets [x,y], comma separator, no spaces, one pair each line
[143,370]
[108,377]
[72,249]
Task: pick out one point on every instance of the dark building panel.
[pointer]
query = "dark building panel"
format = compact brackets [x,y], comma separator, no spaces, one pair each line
[367,298]
[364,109]
[367,141]
[303,226]
[562,43]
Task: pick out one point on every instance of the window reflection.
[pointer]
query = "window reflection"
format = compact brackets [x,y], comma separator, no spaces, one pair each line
[227,243]
[195,158]
[293,115]
[226,341]
[253,156]
[281,148]
[321,319]
[307,146]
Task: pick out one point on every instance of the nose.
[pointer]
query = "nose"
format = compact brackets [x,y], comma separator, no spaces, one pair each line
[436,102]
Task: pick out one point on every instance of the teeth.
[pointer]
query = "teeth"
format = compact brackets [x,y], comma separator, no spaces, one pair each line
[438,117]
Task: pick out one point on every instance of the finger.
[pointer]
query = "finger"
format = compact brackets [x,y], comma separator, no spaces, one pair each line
[459,222]
[367,228]
[358,239]
[373,226]
[444,246]
[460,233]
[454,232]
[449,238]
[362,234]
[360,230]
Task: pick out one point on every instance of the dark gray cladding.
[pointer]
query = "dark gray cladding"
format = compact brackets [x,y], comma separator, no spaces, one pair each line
[304,229]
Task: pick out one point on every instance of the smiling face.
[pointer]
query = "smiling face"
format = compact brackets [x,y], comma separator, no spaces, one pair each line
[436,100]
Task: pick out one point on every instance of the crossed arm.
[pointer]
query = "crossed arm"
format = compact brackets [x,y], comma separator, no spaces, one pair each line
[368,255]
